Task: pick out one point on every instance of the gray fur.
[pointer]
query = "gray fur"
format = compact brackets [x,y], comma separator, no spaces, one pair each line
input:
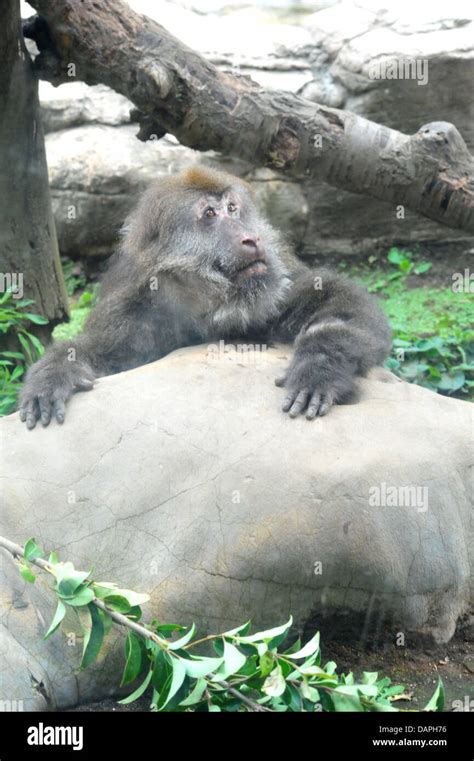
[178,279]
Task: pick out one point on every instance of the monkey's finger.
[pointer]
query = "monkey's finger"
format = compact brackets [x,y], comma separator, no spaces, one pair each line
[313,406]
[83,384]
[326,404]
[281,380]
[44,410]
[31,413]
[300,402]
[59,410]
[288,400]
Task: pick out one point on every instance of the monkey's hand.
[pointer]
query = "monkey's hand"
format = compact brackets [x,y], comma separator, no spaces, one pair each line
[316,379]
[49,384]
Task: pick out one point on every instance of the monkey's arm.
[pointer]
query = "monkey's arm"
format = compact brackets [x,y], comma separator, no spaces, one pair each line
[339,332]
[116,337]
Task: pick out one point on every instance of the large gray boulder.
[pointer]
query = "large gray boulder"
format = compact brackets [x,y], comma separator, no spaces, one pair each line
[183,479]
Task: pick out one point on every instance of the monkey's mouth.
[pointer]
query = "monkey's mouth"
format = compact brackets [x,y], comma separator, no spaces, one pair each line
[257,266]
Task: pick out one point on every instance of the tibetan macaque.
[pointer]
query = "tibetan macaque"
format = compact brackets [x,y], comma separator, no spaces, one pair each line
[197,263]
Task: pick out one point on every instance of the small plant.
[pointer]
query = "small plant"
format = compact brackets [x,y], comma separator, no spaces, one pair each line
[404,264]
[433,336]
[74,276]
[441,364]
[25,347]
[79,313]
[246,672]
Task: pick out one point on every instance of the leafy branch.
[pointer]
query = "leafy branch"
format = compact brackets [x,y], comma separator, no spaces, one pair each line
[246,672]
[14,323]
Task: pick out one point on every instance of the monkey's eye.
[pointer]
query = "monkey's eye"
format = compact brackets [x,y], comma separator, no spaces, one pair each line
[231,207]
[209,212]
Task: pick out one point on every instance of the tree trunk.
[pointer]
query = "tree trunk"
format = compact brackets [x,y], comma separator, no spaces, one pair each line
[28,247]
[177,91]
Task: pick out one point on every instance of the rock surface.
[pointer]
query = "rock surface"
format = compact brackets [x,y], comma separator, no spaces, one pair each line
[183,479]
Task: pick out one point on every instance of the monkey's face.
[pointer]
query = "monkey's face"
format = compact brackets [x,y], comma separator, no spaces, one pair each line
[211,241]
[228,227]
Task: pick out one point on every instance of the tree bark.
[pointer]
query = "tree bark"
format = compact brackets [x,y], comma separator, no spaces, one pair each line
[28,245]
[177,91]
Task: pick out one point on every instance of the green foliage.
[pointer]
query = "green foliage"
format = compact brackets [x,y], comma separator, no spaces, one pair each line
[74,276]
[15,319]
[79,312]
[246,672]
[433,334]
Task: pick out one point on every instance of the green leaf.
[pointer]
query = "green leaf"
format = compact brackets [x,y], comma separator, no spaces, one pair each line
[292,698]
[406,266]
[330,667]
[178,676]
[369,677]
[395,256]
[118,603]
[182,641]
[120,600]
[422,267]
[93,636]
[233,662]
[134,598]
[266,663]
[309,693]
[199,667]
[196,695]
[167,629]
[451,381]
[68,585]
[369,690]
[274,684]
[36,318]
[311,647]
[133,658]
[345,703]
[138,692]
[12,354]
[37,344]
[58,617]
[436,703]
[83,596]
[161,669]
[238,630]
[268,634]
[27,573]
[26,347]
[32,550]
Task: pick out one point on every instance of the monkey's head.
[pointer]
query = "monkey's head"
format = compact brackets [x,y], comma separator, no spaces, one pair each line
[202,228]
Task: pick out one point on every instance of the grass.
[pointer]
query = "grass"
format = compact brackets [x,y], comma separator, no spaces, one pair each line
[433,330]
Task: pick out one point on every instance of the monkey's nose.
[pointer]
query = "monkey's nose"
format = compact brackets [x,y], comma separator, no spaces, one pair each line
[250,241]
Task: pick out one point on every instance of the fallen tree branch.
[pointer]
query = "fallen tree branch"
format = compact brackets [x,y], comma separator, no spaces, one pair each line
[19,552]
[177,91]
